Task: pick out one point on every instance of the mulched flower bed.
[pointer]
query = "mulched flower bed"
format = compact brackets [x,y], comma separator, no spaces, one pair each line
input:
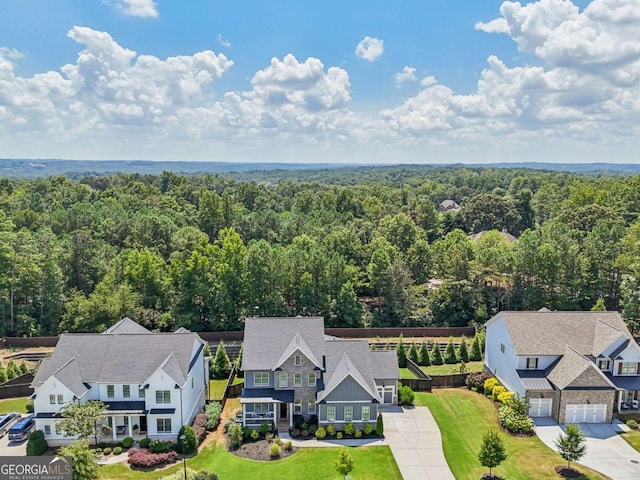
[261,450]
[567,472]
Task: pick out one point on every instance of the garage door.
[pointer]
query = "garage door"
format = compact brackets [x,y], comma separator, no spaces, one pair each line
[586,413]
[540,407]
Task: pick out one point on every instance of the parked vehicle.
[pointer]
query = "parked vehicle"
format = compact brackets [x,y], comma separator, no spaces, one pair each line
[6,421]
[20,431]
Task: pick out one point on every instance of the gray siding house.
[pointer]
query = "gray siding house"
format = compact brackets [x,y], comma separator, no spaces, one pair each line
[292,368]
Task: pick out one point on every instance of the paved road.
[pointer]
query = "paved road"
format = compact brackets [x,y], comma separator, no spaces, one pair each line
[607,452]
[414,438]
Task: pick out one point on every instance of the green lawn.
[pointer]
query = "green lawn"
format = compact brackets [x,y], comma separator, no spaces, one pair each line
[13,405]
[406,373]
[464,416]
[446,369]
[216,387]
[633,438]
[371,463]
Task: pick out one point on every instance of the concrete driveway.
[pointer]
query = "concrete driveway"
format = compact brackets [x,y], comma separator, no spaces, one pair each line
[414,438]
[607,452]
[12,449]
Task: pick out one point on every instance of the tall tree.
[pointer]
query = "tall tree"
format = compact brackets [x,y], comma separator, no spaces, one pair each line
[83,420]
[492,452]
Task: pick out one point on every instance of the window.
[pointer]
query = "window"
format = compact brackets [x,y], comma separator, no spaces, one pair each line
[532,363]
[297,360]
[126,391]
[111,391]
[164,425]
[603,365]
[628,368]
[366,413]
[47,429]
[283,380]
[261,408]
[52,399]
[60,398]
[297,407]
[348,414]
[261,379]
[58,428]
[502,347]
[297,379]
[141,392]
[163,396]
[331,414]
[311,406]
[312,379]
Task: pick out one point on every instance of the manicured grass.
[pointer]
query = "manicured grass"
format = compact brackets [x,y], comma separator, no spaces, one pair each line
[447,368]
[216,387]
[14,405]
[371,463]
[406,373]
[464,416]
[633,438]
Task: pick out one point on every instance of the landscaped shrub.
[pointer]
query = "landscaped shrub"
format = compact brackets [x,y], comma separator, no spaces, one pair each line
[321,433]
[463,352]
[339,435]
[37,445]
[246,432]
[204,475]
[295,432]
[106,451]
[268,436]
[191,475]
[424,359]
[379,426]
[436,355]
[220,366]
[264,428]
[200,426]
[187,441]
[143,458]
[476,380]
[160,446]
[304,433]
[255,435]
[349,428]
[368,429]
[331,430]
[413,353]
[497,390]
[313,429]
[144,443]
[127,442]
[476,350]
[235,435]
[274,451]
[406,395]
[489,383]
[288,445]
[230,421]
[213,411]
[504,397]
[117,450]
[28,406]
[630,423]
[277,440]
[358,433]
[450,353]
[515,422]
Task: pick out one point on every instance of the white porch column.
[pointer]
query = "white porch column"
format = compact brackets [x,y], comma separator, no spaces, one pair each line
[290,413]
[244,414]
[620,401]
[130,426]
[113,428]
[275,415]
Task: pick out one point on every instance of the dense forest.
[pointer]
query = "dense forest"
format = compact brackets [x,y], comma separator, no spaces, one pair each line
[363,247]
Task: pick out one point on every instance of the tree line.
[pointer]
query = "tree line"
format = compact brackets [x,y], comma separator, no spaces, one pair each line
[369,249]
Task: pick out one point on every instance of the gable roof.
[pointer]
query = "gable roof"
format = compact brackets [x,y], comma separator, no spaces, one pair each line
[126,325]
[571,366]
[298,344]
[118,358]
[547,333]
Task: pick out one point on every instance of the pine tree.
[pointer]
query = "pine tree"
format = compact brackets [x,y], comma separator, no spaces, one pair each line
[402,356]
[24,368]
[571,445]
[476,352]
[12,370]
[436,356]
[599,306]
[3,373]
[413,353]
[450,353]
[492,453]
[463,353]
[425,359]
[221,365]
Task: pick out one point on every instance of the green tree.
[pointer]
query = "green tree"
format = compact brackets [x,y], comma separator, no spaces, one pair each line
[221,365]
[84,464]
[187,441]
[630,289]
[463,352]
[492,452]
[83,420]
[572,444]
[24,368]
[3,373]
[423,354]
[450,353]
[12,370]
[476,351]
[344,463]
[36,444]
[401,352]
[413,353]
[599,306]
[436,355]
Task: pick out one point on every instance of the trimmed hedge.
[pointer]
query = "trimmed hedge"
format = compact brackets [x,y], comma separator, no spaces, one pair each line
[36,445]
[143,458]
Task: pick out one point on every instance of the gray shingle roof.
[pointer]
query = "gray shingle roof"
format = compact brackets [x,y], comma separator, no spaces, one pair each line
[118,358]
[126,325]
[385,364]
[547,333]
[570,367]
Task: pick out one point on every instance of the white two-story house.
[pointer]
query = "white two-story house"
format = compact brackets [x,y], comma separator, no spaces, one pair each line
[572,366]
[151,383]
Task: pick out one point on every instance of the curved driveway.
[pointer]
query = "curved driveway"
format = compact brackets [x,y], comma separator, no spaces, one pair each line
[414,438]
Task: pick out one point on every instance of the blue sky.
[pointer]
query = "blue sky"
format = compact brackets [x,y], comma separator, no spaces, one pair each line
[381,81]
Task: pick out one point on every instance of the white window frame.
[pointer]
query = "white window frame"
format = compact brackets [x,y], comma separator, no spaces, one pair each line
[627,368]
[259,377]
[604,365]
[126,391]
[163,396]
[311,406]
[310,382]
[531,359]
[350,410]
[52,399]
[297,379]
[58,428]
[141,392]
[60,399]
[161,425]
[297,406]
[261,408]
[111,391]
[297,360]
[331,414]
[283,380]
[47,429]
[367,417]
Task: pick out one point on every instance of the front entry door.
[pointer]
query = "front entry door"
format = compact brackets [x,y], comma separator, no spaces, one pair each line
[143,423]
[283,411]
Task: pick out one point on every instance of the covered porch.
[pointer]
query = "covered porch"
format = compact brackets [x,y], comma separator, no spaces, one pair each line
[125,419]
[628,392]
[266,405]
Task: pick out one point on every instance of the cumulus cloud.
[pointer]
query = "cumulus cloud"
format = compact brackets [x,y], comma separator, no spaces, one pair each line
[138,8]
[408,74]
[370,48]
[222,42]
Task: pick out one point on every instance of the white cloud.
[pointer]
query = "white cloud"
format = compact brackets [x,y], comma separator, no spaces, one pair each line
[223,42]
[370,48]
[138,8]
[428,81]
[408,74]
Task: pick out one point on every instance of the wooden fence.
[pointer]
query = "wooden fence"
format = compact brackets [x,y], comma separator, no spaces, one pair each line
[418,384]
[451,380]
[415,369]
[17,387]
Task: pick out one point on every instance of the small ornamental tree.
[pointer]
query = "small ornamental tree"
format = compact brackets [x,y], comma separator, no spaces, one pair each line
[12,370]
[402,356]
[450,353]
[406,394]
[476,351]
[492,452]
[436,356]
[463,352]
[379,426]
[423,354]
[187,441]
[24,368]
[571,445]
[221,365]
[344,463]
[84,465]
[413,353]
[83,420]
[3,373]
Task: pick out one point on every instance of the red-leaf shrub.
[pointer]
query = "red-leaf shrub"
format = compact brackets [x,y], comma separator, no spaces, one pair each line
[200,426]
[143,458]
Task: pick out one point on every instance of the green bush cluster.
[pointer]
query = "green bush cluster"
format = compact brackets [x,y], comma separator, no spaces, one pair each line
[145,442]
[160,446]
[406,394]
[331,430]
[191,475]
[36,444]
[255,435]
[187,440]
[127,442]
[632,424]
[321,433]
[513,421]
[274,451]
[213,411]
[288,445]
[349,428]
[106,451]
[235,435]
[489,383]
[117,450]
[368,429]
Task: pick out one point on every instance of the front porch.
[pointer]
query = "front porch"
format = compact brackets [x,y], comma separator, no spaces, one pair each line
[125,419]
[628,401]
[267,405]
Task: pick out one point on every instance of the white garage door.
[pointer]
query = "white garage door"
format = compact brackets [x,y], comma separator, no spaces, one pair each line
[540,407]
[586,413]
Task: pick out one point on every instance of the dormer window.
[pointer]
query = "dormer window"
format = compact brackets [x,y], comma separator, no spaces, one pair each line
[297,360]
[532,363]
[604,365]
[627,368]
